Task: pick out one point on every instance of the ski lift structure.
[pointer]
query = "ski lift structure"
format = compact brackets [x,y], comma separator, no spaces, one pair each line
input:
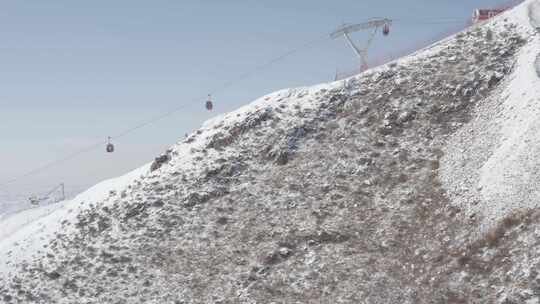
[483,14]
[373,26]
[36,200]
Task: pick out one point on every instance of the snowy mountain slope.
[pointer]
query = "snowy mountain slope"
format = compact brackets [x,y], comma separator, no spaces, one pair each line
[534,15]
[23,234]
[499,149]
[14,203]
[338,193]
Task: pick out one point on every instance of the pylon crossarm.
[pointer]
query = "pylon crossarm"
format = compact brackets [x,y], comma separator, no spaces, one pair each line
[353,46]
[371,37]
[350,28]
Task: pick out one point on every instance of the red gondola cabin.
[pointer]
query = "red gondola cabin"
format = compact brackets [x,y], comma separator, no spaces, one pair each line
[386,29]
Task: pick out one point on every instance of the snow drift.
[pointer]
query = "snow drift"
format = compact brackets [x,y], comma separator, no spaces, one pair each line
[492,163]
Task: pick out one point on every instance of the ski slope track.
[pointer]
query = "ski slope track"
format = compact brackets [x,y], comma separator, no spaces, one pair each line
[415,182]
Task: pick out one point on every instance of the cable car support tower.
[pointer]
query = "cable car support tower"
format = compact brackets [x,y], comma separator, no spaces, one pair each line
[374,25]
[36,200]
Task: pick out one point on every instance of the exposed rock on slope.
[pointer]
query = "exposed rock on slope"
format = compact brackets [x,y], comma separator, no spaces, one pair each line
[329,194]
[491,164]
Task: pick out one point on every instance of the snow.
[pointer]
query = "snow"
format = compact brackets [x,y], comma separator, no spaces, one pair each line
[534,14]
[537,63]
[499,149]
[21,228]
[504,176]
[510,179]
[24,234]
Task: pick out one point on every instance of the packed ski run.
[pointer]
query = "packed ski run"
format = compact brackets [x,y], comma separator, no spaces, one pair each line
[415,182]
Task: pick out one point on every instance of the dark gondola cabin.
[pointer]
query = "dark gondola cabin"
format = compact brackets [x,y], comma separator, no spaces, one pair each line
[209,104]
[386,29]
[110,146]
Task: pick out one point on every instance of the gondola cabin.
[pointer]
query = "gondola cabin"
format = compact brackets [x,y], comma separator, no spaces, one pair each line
[386,29]
[110,147]
[209,103]
[480,15]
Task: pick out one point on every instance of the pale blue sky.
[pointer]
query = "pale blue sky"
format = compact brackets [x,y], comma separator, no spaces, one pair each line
[73,72]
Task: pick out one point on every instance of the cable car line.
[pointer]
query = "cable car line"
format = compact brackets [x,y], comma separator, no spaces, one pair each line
[54,163]
[154,119]
[108,144]
[429,21]
[223,87]
[267,64]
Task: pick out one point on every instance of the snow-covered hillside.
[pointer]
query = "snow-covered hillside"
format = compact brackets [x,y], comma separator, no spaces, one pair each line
[411,183]
[491,166]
